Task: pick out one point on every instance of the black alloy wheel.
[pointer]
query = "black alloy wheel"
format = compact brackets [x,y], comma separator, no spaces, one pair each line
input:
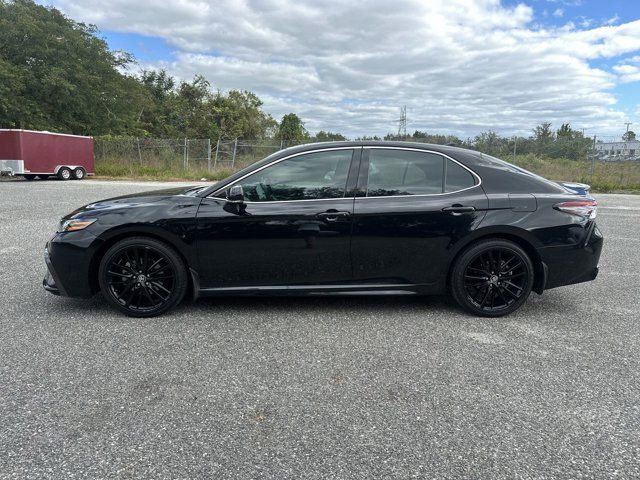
[492,278]
[142,277]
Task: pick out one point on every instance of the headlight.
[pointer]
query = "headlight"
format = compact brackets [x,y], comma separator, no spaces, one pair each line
[75,224]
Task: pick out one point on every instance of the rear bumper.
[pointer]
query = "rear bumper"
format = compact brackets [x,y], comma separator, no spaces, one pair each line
[572,264]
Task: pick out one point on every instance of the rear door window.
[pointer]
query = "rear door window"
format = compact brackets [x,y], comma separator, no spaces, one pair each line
[406,172]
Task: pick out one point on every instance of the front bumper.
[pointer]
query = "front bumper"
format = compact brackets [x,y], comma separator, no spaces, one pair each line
[68,259]
[49,284]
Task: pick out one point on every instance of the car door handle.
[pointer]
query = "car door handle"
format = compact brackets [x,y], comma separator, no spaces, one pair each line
[458,209]
[332,216]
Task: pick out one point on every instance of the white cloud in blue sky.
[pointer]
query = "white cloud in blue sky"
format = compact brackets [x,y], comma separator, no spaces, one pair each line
[460,66]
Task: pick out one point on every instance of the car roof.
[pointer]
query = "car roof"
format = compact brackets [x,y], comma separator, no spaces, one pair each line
[446,149]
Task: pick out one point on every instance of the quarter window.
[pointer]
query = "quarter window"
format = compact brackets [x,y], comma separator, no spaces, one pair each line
[405,172]
[457,178]
[308,176]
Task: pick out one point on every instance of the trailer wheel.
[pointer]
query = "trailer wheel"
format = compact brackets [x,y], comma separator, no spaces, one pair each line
[64,173]
[29,177]
[79,173]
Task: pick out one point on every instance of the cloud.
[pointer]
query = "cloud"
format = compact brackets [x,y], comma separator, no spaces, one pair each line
[629,70]
[558,12]
[460,66]
[611,21]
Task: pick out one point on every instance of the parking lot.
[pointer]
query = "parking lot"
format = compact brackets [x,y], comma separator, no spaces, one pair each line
[339,387]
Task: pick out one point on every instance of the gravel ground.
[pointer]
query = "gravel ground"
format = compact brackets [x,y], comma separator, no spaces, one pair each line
[315,388]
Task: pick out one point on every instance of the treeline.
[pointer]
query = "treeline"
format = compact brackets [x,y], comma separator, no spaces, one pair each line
[59,75]
[564,142]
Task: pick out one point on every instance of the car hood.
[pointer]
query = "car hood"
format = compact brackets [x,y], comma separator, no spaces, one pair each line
[141,199]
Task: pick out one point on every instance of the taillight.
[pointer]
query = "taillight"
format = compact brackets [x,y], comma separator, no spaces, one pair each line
[582,208]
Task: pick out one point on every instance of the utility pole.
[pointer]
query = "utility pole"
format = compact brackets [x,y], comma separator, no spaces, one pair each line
[402,123]
[593,158]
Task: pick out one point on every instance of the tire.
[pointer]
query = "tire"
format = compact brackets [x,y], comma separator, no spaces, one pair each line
[29,177]
[79,173]
[492,278]
[64,173]
[142,277]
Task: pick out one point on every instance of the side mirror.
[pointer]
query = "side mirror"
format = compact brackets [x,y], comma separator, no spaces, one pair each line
[235,194]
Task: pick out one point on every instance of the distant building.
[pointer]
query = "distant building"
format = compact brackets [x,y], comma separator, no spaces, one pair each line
[621,150]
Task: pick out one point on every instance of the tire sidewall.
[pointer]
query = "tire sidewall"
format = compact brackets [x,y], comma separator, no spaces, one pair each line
[79,173]
[457,276]
[181,281]
[61,174]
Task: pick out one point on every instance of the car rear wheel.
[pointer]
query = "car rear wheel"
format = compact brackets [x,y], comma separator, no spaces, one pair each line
[142,277]
[492,278]
[79,173]
[64,173]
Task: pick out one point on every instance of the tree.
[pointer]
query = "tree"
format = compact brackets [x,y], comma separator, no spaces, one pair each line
[291,129]
[565,131]
[56,74]
[628,136]
[323,136]
[543,132]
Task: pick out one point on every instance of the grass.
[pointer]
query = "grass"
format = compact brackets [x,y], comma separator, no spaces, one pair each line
[621,177]
[607,177]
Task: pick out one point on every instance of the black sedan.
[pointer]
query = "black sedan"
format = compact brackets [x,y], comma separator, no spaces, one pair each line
[336,218]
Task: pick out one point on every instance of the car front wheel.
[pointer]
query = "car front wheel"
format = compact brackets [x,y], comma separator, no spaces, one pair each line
[142,277]
[492,278]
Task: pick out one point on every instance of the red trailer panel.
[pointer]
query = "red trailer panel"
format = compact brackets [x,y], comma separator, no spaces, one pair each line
[30,153]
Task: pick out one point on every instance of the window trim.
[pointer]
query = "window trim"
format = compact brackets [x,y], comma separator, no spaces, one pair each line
[355,148]
[376,147]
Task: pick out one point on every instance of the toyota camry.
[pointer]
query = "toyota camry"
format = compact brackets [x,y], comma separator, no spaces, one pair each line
[336,218]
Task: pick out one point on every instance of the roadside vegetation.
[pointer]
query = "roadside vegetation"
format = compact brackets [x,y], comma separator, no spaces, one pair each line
[613,177]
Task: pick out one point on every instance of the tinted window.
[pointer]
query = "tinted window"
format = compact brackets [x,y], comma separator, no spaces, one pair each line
[458,178]
[305,177]
[403,172]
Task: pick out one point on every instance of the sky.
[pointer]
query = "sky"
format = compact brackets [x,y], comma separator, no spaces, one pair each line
[459,66]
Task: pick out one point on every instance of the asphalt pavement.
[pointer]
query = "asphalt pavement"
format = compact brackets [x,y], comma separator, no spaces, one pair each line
[331,387]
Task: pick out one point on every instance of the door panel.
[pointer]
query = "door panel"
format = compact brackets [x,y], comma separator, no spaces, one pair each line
[274,243]
[404,230]
[408,239]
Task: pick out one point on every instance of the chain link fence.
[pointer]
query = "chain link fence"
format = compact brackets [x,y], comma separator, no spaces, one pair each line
[194,154]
